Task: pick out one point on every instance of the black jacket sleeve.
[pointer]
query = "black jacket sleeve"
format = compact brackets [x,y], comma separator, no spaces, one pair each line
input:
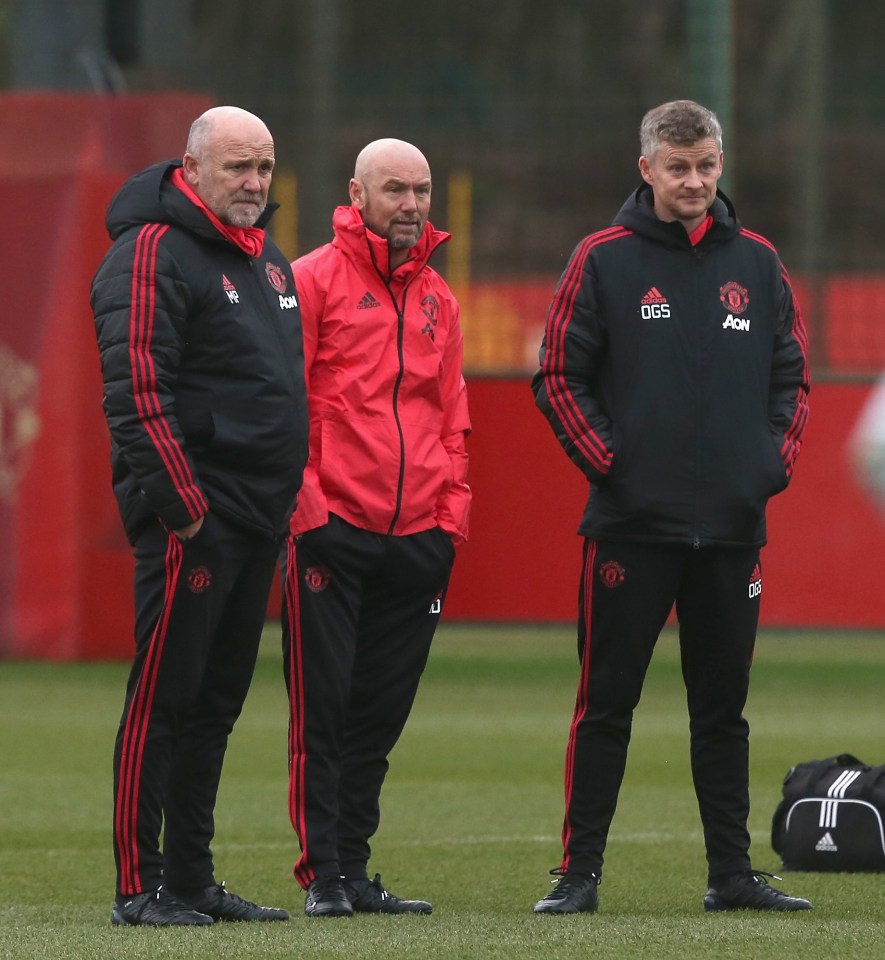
[788,393]
[566,386]
[139,300]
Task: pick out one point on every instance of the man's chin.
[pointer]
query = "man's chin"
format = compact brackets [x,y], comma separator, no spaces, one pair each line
[403,241]
[696,205]
[240,220]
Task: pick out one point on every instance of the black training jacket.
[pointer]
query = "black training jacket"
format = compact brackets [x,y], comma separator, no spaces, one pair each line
[203,367]
[676,378]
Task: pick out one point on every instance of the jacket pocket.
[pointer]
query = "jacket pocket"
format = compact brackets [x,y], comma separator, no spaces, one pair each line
[779,477]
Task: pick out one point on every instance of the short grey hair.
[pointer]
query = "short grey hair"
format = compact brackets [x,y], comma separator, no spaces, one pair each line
[680,121]
[199,136]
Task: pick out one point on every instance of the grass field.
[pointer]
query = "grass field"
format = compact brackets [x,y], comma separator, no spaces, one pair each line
[472,809]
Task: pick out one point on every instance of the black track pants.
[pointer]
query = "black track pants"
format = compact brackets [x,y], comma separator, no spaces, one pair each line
[200,610]
[627,593]
[359,616]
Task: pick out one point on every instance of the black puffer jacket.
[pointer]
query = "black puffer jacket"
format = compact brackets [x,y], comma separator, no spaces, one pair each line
[202,362]
[675,376]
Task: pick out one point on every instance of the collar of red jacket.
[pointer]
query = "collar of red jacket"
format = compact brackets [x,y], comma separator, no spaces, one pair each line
[351,233]
[248,239]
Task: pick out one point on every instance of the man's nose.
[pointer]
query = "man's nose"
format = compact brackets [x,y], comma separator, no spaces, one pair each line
[252,182]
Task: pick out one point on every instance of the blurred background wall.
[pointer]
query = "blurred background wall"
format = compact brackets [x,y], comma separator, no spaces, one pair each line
[529,115]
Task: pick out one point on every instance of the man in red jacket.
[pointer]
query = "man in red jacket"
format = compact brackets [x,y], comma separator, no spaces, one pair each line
[384,504]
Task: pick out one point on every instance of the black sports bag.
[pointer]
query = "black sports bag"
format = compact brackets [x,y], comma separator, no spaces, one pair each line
[831,816]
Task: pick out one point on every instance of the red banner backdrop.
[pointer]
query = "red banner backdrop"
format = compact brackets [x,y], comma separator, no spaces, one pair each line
[66,570]
[822,567]
[65,577]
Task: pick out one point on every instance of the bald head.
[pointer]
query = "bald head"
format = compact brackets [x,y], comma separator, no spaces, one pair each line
[228,162]
[391,190]
[388,154]
[219,122]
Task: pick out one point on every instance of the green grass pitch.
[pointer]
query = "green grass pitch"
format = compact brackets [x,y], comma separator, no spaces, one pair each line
[471,812]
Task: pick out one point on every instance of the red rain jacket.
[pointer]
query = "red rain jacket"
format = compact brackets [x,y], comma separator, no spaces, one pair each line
[388,403]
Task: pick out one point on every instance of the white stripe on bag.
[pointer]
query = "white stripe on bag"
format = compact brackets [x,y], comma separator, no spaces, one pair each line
[842,783]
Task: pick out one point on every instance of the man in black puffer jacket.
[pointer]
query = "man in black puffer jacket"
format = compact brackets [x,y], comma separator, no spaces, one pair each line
[674,374]
[199,332]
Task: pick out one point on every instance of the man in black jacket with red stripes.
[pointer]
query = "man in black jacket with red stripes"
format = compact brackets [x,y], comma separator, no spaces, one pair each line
[674,374]
[200,339]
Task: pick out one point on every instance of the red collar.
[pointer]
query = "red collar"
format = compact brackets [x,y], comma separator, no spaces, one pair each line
[248,239]
[700,231]
[351,234]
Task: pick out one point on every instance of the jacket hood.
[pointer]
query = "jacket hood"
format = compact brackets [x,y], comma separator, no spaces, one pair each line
[352,236]
[149,197]
[638,214]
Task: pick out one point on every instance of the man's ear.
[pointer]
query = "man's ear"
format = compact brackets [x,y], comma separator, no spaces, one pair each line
[357,193]
[191,169]
[646,171]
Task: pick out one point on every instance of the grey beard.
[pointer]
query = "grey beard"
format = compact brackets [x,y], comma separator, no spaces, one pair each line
[400,243]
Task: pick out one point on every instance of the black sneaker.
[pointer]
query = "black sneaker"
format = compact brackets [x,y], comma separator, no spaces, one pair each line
[574,893]
[157,908]
[750,891]
[220,904]
[326,898]
[369,896]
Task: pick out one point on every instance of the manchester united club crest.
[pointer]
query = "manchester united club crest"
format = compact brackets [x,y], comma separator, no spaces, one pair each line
[734,297]
[430,308]
[316,579]
[611,573]
[276,277]
[199,580]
